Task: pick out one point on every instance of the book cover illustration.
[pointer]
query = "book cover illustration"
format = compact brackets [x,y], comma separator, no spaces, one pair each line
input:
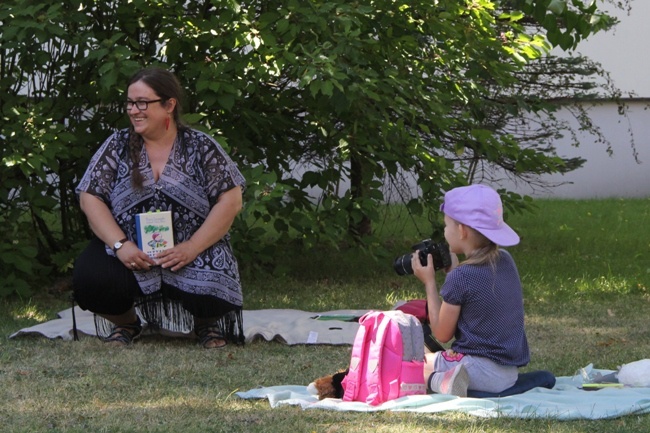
[155,232]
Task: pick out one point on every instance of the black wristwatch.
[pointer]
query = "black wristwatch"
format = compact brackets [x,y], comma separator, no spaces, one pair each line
[117,245]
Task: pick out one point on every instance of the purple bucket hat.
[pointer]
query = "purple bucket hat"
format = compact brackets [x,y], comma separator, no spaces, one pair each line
[479,207]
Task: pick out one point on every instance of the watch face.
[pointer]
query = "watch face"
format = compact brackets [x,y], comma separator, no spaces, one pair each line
[117,245]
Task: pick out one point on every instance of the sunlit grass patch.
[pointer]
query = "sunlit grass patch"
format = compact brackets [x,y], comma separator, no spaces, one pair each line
[29,312]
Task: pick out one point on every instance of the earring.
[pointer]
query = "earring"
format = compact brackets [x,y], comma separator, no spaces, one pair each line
[167,123]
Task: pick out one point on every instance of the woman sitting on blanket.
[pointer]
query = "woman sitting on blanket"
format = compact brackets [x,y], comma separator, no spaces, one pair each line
[482,301]
[159,164]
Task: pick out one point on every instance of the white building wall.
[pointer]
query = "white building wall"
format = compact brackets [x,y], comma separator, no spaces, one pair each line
[623,53]
[602,176]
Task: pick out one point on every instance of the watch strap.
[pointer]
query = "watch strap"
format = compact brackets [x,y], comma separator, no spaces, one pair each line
[121,242]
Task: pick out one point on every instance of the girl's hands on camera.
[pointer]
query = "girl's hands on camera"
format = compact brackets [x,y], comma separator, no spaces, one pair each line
[426,274]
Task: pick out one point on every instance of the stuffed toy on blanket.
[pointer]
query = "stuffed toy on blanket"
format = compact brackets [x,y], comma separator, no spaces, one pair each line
[328,386]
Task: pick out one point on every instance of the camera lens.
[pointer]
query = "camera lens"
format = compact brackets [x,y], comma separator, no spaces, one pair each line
[402,265]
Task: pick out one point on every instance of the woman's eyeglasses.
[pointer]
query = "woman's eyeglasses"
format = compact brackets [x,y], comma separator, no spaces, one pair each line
[140,105]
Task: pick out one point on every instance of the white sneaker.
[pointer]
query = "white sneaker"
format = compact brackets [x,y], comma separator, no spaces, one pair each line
[451,382]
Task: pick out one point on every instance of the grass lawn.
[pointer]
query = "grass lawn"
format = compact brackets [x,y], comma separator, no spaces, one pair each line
[585,266]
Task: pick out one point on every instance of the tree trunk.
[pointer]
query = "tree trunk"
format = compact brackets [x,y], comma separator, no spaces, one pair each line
[358,229]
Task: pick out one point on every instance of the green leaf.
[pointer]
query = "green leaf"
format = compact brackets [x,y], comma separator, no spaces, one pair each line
[226,101]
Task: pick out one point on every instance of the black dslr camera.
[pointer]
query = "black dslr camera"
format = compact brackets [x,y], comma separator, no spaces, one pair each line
[439,251]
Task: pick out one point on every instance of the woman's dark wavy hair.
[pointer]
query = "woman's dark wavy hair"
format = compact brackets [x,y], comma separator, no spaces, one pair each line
[166,86]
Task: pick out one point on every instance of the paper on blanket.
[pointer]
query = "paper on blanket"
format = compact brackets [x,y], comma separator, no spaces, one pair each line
[566,401]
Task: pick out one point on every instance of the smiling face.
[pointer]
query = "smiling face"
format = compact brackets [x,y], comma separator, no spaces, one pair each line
[149,123]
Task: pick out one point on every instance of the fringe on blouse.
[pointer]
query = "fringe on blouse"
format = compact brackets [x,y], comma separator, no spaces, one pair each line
[161,314]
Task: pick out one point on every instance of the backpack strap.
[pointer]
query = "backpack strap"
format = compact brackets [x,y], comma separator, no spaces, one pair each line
[352,380]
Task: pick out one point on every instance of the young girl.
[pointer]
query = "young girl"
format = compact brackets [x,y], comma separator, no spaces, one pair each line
[482,303]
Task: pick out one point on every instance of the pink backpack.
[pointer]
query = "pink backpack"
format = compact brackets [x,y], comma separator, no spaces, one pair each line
[387,358]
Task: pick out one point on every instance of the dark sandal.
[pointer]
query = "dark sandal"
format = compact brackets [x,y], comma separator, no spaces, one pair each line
[123,335]
[210,337]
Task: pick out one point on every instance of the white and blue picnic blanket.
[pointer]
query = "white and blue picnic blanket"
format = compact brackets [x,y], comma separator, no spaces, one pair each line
[566,401]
